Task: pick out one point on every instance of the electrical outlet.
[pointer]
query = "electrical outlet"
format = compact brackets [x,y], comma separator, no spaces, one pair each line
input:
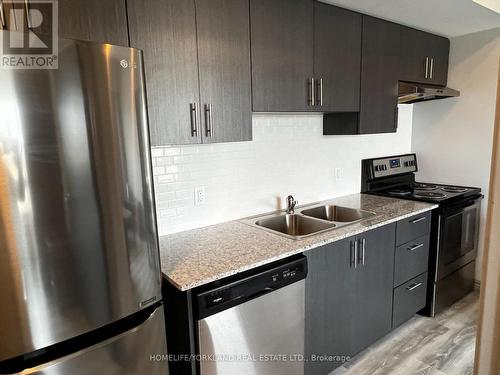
[199,195]
[339,175]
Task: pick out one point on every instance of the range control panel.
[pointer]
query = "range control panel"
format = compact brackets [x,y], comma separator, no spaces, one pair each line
[395,165]
[241,290]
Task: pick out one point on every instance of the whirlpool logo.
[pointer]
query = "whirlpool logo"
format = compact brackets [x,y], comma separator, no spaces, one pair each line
[32,42]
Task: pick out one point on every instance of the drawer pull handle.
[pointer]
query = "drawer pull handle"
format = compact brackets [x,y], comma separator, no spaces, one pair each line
[414,221]
[415,247]
[413,286]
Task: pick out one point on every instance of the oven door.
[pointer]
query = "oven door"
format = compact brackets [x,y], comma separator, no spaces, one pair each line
[458,235]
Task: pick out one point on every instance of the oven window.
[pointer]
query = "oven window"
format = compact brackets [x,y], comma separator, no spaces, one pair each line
[459,234]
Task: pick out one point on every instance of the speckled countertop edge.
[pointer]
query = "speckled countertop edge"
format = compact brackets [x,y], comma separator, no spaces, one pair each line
[193,258]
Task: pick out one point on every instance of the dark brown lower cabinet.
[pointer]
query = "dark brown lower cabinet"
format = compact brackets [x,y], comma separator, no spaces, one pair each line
[374,281]
[330,302]
[348,298]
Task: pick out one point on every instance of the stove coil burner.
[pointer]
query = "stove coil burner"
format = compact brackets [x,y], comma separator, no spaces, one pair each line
[426,187]
[399,192]
[429,194]
[454,189]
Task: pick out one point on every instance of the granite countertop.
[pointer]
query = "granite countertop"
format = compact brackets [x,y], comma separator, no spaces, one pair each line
[196,257]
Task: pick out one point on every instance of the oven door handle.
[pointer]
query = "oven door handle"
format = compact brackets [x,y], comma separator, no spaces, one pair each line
[460,206]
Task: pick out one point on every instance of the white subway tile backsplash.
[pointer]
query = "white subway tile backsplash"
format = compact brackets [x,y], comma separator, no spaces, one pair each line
[289,155]
[158,170]
[155,152]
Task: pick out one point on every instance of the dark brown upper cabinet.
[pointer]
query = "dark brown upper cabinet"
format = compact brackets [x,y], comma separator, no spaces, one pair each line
[225,74]
[379,77]
[282,55]
[337,58]
[197,62]
[93,20]
[379,84]
[424,57]
[166,31]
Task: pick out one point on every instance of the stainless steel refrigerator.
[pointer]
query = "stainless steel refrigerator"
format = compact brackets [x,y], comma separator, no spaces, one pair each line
[80,284]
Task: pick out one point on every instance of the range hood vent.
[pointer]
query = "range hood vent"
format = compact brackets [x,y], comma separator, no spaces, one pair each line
[414,92]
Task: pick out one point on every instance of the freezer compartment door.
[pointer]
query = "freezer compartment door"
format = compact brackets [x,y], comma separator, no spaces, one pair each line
[141,350]
[78,241]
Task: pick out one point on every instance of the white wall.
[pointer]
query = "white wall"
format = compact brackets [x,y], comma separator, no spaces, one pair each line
[289,155]
[453,138]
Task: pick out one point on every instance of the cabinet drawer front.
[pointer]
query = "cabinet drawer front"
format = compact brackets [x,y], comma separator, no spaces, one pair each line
[411,259]
[413,227]
[409,298]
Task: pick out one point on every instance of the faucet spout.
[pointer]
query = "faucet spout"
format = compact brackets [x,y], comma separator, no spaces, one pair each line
[290,205]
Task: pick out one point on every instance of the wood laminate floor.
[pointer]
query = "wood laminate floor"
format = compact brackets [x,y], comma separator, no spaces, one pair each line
[435,346]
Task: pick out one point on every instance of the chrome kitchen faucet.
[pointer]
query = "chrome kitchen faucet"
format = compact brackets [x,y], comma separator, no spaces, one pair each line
[290,205]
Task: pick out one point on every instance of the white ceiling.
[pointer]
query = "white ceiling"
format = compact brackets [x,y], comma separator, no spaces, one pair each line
[443,17]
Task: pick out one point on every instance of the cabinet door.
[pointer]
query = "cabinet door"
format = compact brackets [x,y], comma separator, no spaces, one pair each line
[225,77]
[414,55]
[337,58]
[282,55]
[439,48]
[166,31]
[330,304]
[94,20]
[424,57]
[379,76]
[374,286]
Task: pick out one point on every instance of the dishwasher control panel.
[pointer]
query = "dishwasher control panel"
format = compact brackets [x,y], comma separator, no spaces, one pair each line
[250,285]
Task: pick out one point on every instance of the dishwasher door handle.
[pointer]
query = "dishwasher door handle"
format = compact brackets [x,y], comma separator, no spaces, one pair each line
[260,293]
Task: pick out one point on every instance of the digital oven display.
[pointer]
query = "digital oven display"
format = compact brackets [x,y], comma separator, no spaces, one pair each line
[395,163]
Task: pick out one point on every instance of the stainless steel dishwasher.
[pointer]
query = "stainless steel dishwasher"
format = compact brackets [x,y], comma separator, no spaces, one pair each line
[254,325]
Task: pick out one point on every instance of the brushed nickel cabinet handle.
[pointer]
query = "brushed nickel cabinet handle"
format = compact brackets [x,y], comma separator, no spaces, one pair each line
[413,286]
[363,252]
[396,114]
[312,96]
[426,67]
[414,221]
[27,11]
[354,254]
[431,71]
[320,94]
[3,24]
[415,247]
[194,119]
[209,120]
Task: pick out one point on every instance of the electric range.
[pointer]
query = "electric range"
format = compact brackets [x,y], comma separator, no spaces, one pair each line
[454,225]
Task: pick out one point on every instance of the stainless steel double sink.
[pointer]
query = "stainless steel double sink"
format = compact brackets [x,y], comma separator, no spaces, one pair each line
[309,221]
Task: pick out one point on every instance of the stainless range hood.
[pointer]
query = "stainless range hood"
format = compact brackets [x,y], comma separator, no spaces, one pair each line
[415,92]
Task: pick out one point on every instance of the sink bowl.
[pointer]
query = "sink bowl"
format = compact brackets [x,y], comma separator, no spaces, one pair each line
[338,213]
[295,226]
